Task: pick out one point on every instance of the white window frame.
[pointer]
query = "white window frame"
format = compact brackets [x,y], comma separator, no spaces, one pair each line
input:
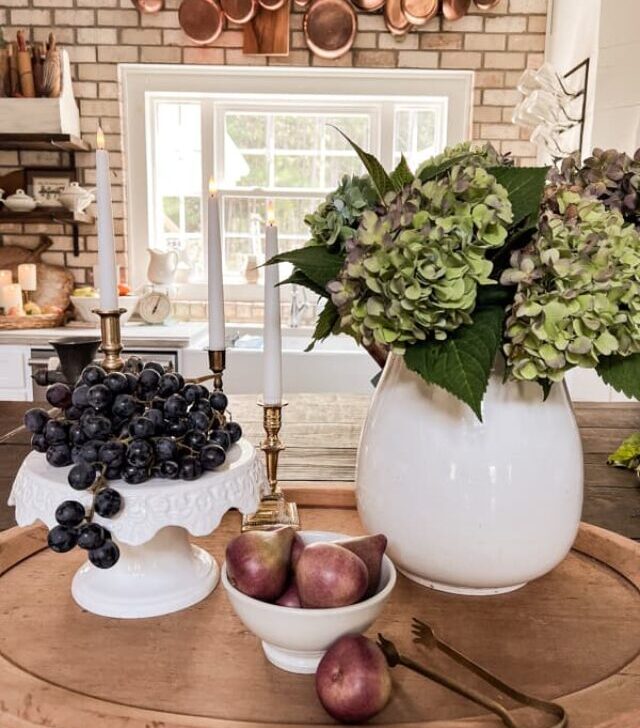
[243,85]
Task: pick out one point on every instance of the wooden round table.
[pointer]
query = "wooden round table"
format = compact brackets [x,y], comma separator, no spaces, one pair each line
[573,635]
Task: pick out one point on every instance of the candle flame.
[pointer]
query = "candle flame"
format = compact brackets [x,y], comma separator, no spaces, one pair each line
[100,139]
[213,190]
[271,218]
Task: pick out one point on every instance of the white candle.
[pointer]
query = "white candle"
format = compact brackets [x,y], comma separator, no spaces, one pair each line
[216,283]
[272,372]
[27,276]
[107,278]
[12,300]
[5,277]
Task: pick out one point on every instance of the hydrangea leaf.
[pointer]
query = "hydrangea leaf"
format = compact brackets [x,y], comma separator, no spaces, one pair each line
[622,373]
[432,171]
[325,325]
[462,363]
[525,186]
[381,180]
[300,279]
[402,174]
[316,262]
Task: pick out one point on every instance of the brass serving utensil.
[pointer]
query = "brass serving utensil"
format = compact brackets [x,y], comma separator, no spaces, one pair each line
[424,635]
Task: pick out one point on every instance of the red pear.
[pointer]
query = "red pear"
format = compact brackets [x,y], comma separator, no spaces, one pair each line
[328,575]
[296,550]
[258,562]
[371,550]
[290,597]
[353,680]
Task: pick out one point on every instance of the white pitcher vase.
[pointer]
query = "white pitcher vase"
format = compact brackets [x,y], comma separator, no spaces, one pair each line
[470,507]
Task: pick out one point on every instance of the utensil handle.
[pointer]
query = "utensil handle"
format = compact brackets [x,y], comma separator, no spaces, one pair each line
[460,689]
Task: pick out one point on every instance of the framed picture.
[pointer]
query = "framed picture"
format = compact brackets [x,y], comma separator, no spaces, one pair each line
[45,185]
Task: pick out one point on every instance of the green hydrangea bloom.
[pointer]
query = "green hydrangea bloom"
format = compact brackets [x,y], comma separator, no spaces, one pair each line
[413,269]
[337,218]
[578,295]
[479,156]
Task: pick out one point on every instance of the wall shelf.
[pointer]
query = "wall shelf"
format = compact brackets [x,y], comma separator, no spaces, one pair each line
[43,143]
[59,215]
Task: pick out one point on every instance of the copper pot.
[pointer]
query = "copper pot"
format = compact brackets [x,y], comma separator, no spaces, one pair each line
[330,27]
[239,11]
[368,6]
[455,9]
[272,4]
[148,6]
[201,20]
[486,4]
[395,19]
[419,12]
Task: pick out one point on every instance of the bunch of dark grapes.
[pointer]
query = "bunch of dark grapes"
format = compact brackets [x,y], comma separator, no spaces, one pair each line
[132,425]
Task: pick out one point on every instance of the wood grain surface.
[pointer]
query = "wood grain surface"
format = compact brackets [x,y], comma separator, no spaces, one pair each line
[321,433]
[573,635]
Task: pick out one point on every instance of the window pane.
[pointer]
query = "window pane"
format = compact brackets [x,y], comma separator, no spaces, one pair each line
[192,216]
[356,127]
[298,171]
[336,167]
[247,131]
[296,131]
[416,134]
[171,209]
[250,170]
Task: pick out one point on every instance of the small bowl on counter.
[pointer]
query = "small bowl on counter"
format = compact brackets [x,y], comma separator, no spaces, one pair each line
[85,305]
[295,639]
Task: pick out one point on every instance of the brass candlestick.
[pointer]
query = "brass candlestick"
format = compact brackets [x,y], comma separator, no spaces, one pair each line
[111,339]
[217,361]
[274,510]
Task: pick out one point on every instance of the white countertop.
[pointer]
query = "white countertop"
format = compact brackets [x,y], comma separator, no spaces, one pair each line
[135,334]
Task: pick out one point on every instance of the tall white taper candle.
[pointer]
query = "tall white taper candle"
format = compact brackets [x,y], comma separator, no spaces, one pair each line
[107,275]
[272,389]
[216,281]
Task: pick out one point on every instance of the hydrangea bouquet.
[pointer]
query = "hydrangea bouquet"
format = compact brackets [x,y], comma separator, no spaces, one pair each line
[469,257]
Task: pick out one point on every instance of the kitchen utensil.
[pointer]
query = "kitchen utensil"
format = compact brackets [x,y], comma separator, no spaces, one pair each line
[201,20]
[51,70]
[271,4]
[20,202]
[154,307]
[418,12]
[239,11]
[75,353]
[148,6]
[395,658]
[267,34]
[76,198]
[455,9]
[395,19]
[37,58]
[162,266]
[330,27]
[368,6]
[486,4]
[85,305]
[25,72]
[4,72]
[14,84]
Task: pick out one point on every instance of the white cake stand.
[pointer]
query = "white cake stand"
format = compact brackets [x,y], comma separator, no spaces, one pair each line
[159,571]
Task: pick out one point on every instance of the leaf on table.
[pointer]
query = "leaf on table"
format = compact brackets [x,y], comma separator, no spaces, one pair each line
[462,363]
[628,454]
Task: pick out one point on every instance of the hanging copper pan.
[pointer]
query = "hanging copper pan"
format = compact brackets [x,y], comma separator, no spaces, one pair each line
[395,19]
[201,20]
[486,4]
[368,6]
[330,27]
[418,12]
[239,11]
[455,9]
[272,4]
[148,6]
[302,3]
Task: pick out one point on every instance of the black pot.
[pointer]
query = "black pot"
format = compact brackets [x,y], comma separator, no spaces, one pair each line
[75,353]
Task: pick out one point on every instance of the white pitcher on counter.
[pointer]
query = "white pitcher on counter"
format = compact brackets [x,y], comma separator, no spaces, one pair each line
[162,266]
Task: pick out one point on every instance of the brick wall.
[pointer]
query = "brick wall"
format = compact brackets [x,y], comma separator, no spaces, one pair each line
[99,34]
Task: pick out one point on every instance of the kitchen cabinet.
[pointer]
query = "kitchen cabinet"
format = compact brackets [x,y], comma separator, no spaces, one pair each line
[15,374]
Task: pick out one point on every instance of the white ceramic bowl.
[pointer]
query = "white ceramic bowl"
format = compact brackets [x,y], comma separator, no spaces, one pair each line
[84,306]
[296,639]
